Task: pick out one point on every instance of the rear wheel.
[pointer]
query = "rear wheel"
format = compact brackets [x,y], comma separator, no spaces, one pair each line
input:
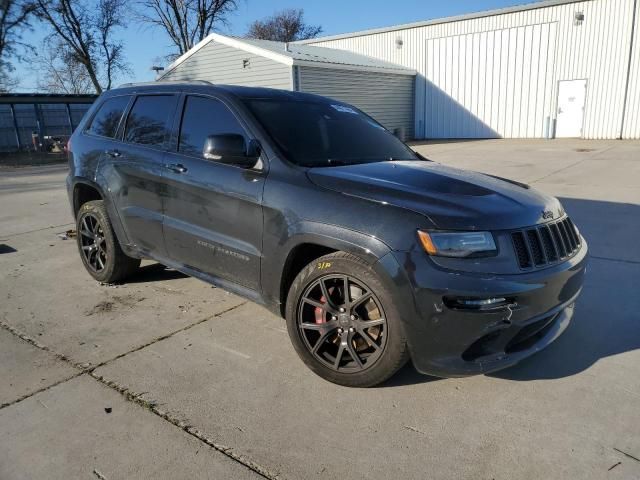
[99,248]
[343,324]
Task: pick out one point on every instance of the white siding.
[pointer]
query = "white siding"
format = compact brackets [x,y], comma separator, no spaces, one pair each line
[221,64]
[597,50]
[490,84]
[632,113]
[386,97]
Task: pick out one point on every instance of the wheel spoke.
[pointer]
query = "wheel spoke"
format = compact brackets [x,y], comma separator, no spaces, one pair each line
[319,327]
[315,303]
[321,340]
[336,362]
[353,354]
[360,300]
[371,323]
[100,260]
[325,294]
[345,287]
[367,338]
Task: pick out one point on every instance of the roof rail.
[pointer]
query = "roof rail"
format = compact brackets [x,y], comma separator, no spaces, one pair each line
[144,84]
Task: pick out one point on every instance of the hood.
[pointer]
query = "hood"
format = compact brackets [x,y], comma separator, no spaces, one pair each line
[451,198]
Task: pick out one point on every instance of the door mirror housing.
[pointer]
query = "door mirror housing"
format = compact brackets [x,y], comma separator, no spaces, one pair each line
[231,149]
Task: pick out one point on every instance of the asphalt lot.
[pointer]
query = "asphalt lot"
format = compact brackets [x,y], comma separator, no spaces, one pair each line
[168,377]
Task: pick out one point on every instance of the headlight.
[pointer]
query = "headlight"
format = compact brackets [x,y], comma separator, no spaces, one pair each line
[457,244]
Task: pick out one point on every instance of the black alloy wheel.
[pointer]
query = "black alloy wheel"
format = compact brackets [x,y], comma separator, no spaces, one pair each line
[92,243]
[99,247]
[342,323]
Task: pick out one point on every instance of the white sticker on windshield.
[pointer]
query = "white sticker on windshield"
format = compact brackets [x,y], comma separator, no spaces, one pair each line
[344,109]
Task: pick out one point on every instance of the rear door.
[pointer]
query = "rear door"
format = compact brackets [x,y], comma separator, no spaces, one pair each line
[134,171]
[213,213]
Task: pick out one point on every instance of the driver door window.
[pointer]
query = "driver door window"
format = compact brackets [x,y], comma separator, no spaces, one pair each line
[203,117]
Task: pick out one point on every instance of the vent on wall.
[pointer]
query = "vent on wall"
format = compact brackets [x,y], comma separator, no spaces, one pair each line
[578,18]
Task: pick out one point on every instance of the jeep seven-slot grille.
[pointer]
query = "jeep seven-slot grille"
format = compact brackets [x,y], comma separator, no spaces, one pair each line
[544,244]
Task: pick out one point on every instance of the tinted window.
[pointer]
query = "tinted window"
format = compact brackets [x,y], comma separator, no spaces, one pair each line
[106,121]
[148,122]
[318,134]
[203,117]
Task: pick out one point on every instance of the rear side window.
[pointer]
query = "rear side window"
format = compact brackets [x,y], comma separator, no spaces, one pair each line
[105,122]
[148,121]
[203,117]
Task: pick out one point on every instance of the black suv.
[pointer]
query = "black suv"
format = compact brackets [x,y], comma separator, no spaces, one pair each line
[307,205]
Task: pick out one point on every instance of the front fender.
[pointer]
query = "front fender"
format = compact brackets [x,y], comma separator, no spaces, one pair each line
[334,237]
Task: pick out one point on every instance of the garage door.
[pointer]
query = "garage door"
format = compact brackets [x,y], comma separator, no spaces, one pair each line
[490,84]
[386,97]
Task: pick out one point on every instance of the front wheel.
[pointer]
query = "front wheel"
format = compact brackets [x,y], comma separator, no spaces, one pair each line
[343,323]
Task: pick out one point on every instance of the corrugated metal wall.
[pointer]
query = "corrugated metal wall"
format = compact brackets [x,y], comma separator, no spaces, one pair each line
[490,84]
[631,128]
[596,49]
[388,98]
[219,63]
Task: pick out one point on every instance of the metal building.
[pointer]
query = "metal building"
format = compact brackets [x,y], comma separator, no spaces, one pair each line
[28,116]
[382,89]
[551,69]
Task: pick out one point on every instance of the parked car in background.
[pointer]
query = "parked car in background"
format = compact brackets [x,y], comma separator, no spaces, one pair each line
[304,204]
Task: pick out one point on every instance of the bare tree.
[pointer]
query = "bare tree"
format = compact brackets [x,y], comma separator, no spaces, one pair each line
[57,72]
[85,30]
[14,20]
[186,22]
[284,26]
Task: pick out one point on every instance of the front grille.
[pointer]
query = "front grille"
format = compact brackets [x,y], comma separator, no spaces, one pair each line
[545,244]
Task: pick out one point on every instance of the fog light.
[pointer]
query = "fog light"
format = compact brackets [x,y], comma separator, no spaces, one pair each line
[482,302]
[475,303]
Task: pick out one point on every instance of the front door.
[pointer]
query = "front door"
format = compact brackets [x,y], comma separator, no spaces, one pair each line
[134,171]
[213,212]
[571,97]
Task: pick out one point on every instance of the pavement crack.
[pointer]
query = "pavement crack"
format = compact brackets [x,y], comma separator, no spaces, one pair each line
[557,171]
[164,337]
[50,227]
[32,341]
[609,259]
[627,454]
[154,408]
[137,397]
[43,389]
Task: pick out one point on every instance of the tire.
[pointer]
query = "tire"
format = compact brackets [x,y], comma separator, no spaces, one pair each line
[328,340]
[98,246]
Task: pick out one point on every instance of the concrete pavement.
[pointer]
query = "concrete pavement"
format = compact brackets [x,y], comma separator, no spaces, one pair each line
[203,384]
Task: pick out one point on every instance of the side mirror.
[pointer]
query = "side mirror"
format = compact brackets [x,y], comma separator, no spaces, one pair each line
[231,148]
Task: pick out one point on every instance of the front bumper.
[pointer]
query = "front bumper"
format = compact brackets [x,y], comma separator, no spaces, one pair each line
[456,342]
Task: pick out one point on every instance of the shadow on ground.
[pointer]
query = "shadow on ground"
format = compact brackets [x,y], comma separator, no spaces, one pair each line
[155,273]
[606,318]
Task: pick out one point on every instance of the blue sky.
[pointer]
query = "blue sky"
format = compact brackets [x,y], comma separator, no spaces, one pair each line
[144,45]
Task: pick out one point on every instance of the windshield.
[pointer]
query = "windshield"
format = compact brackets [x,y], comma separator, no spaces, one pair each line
[318,134]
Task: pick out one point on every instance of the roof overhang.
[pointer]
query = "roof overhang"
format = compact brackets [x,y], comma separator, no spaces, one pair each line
[439,21]
[280,58]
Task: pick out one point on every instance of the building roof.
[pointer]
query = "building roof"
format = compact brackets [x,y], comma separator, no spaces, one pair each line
[457,18]
[298,54]
[46,98]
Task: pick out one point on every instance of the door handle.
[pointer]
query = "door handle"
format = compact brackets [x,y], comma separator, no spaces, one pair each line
[113,153]
[177,168]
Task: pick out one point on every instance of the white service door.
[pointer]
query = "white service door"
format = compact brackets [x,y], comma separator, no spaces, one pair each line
[571,98]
